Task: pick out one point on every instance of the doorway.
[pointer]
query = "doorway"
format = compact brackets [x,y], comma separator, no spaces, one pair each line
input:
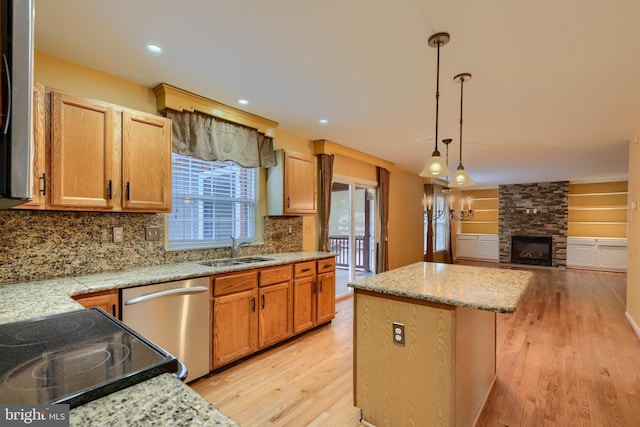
[352,225]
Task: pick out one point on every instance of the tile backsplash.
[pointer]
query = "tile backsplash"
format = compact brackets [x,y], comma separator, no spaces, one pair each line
[44,244]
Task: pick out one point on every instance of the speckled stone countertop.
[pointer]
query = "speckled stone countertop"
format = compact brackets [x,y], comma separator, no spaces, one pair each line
[163,400]
[484,288]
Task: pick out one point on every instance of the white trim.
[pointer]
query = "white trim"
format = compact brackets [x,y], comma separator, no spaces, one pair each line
[633,323]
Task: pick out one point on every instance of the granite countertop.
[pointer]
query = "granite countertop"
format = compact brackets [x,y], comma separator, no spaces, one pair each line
[484,288]
[163,400]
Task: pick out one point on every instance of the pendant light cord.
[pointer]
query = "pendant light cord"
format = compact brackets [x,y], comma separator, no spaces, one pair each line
[439,42]
[461,94]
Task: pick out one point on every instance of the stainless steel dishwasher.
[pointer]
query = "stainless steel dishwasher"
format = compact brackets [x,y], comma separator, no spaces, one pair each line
[175,316]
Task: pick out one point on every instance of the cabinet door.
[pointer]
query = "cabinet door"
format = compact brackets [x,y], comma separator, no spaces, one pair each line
[235,333]
[106,300]
[300,184]
[146,162]
[275,314]
[467,247]
[304,305]
[38,178]
[581,255]
[83,168]
[612,257]
[326,296]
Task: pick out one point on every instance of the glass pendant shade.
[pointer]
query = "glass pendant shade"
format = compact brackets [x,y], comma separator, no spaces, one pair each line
[461,178]
[436,166]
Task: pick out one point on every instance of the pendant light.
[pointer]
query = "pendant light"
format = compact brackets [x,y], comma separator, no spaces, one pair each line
[436,166]
[461,178]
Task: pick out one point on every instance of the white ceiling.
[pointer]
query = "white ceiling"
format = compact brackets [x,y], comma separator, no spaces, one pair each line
[555,93]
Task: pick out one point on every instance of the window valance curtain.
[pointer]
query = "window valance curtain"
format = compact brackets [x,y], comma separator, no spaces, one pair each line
[208,138]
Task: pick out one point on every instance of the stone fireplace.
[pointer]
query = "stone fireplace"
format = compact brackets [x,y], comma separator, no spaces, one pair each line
[534,210]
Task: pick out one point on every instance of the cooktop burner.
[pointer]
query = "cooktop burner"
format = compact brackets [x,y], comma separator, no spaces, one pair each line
[75,357]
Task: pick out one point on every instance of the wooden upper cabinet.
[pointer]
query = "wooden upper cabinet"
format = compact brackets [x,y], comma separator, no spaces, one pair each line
[146,162]
[292,185]
[104,157]
[83,169]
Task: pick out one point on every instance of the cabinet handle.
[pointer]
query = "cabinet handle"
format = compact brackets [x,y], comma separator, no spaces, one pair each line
[305,270]
[327,265]
[128,191]
[320,285]
[288,202]
[113,310]
[43,191]
[263,301]
[314,287]
[110,189]
[253,304]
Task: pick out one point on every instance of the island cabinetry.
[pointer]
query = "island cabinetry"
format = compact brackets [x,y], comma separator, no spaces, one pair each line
[439,376]
[276,305]
[292,185]
[314,293]
[234,317]
[106,300]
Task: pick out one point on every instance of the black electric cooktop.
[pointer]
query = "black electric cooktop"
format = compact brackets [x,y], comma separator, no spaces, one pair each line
[75,357]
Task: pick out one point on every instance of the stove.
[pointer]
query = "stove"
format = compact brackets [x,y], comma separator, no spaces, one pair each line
[76,357]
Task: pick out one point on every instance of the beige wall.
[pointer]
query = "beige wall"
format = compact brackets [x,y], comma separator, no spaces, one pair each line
[406,228]
[89,83]
[633,254]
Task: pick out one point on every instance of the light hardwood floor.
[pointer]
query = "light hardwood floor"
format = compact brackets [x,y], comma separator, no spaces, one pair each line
[567,357]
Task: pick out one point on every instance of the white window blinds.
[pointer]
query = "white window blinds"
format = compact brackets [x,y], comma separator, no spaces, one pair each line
[212,200]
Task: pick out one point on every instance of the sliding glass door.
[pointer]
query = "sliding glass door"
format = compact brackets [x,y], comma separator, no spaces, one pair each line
[352,226]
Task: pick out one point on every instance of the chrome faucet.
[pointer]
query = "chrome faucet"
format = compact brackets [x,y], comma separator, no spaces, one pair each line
[235,245]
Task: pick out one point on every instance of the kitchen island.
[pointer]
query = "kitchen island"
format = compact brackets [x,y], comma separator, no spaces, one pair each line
[425,341]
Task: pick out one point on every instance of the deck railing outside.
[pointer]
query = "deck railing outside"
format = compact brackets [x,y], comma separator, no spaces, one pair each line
[340,245]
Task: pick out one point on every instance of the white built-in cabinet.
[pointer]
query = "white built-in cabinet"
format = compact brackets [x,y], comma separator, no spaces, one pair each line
[485,247]
[595,253]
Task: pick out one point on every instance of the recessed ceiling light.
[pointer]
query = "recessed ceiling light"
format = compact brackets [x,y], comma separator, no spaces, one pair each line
[323,121]
[243,101]
[153,49]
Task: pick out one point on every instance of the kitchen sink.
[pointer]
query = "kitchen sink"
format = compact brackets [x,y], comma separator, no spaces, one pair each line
[226,262]
[250,260]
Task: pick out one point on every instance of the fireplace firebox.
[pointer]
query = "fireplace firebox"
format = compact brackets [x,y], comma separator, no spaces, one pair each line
[531,250]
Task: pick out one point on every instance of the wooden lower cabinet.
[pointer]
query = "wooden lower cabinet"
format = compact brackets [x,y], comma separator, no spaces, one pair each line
[314,293]
[234,317]
[326,304]
[275,321]
[275,314]
[304,312]
[235,327]
[255,309]
[106,300]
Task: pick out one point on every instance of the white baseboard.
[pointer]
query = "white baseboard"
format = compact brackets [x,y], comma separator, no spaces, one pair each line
[633,323]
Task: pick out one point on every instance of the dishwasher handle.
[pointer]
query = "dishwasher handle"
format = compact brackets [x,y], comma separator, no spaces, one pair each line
[175,291]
